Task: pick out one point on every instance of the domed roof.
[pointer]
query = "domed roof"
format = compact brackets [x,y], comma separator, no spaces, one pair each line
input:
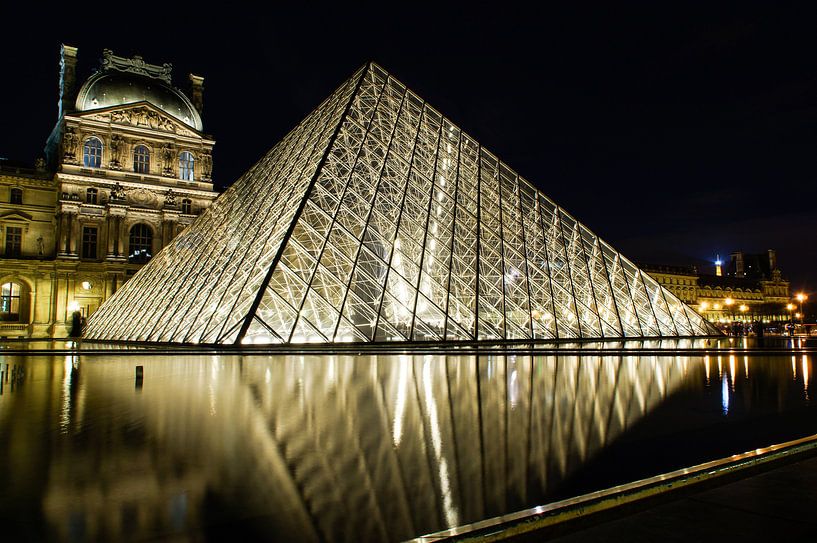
[115,88]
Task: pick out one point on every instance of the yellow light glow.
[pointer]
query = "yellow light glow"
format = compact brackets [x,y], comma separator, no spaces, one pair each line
[729,301]
[717,306]
[790,307]
[743,307]
[704,306]
[73,306]
[86,285]
[801,297]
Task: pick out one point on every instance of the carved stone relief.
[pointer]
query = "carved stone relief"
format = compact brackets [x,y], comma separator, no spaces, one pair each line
[69,145]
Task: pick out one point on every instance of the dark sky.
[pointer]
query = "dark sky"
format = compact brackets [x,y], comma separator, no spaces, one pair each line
[675,133]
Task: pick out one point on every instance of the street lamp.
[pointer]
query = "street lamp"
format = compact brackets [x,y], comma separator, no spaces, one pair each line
[790,307]
[801,298]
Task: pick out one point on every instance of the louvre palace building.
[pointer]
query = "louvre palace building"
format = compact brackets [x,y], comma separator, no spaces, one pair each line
[126,168]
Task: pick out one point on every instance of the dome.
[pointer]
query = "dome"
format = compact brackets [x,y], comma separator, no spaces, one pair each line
[114,88]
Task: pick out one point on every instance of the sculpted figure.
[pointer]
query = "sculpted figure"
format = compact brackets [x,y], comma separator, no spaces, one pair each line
[69,143]
[116,151]
[170,198]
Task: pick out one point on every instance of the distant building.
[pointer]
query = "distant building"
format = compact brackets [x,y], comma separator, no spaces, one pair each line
[127,168]
[752,288]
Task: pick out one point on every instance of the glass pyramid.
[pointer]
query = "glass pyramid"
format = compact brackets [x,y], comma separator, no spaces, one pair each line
[377,219]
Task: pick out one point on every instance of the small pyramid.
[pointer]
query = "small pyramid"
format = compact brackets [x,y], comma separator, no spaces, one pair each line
[376,219]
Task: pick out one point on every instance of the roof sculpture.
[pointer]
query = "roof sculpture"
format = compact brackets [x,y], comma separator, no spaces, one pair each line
[377,219]
[122,80]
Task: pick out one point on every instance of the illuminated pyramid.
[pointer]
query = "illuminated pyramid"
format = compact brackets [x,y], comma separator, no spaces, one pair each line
[377,219]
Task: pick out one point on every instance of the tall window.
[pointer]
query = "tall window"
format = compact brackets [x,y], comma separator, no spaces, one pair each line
[140,244]
[14,241]
[16,196]
[141,159]
[89,235]
[91,195]
[10,302]
[186,166]
[187,206]
[92,153]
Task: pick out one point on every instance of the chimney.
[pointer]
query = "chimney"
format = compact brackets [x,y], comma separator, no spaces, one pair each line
[197,92]
[772,259]
[68,68]
[737,264]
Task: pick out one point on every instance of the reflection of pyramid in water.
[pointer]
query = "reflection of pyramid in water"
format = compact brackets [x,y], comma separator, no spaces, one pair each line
[376,219]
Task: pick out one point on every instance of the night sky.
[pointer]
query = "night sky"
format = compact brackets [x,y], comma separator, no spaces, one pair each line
[675,134]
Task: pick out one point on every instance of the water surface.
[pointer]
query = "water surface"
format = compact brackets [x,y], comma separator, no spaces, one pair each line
[361,448]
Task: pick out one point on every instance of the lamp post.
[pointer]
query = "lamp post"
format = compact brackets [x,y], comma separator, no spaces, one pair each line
[801,298]
[790,307]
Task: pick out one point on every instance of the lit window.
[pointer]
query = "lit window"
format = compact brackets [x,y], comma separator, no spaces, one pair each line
[89,236]
[16,196]
[140,243]
[91,195]
[141,159]
[187,206]
[14,241]
[92,153]
[10,302]
[186,166]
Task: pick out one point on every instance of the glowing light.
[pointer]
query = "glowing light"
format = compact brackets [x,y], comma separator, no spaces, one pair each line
[451,516]
[801,297]
[732,370]
[86,285]
[729,301]
[73,306]
[706,368]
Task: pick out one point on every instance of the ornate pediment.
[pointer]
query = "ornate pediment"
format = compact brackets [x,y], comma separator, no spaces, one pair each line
[15,216]
[142,115]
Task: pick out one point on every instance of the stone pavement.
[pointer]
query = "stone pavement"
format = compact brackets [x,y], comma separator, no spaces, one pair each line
[778,505]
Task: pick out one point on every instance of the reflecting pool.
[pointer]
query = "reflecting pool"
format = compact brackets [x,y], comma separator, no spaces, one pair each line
[361,447]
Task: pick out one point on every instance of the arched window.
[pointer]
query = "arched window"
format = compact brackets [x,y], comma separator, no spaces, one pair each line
[16,196]
[91,196]
[92,153]
[10,302]
[187,206]
[141,159]
[140,243]
[186,166]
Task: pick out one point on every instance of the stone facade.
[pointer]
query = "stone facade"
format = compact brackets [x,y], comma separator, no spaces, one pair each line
[728,298]
[128,168]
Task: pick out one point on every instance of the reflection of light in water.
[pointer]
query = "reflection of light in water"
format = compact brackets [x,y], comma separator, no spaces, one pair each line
[805,375]
[746,366]
[65,412]
[706,368]
[720,367]
[732,370]
[513,388]
[793,369]
[451,515]
[724,395]
[400,404]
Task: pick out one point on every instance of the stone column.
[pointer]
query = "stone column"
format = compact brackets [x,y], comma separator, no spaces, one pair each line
[76,233]
[170,219]
[116,214]
[62,241]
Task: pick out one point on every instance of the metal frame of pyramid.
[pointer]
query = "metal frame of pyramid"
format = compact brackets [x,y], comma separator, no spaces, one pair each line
[377,219]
